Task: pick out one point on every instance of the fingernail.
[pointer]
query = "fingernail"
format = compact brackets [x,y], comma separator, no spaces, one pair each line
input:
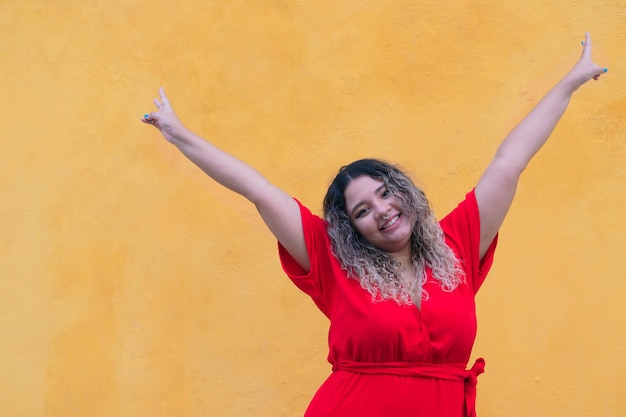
[582,43]
[145,116]
[606,70]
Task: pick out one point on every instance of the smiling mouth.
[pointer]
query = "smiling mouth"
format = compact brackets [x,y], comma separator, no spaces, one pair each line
[391,222]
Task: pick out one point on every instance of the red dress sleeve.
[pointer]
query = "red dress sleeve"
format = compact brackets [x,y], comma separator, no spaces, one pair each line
[318,281]
[462,233]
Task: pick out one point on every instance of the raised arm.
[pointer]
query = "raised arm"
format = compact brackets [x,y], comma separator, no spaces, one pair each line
[279,211]
[496,188]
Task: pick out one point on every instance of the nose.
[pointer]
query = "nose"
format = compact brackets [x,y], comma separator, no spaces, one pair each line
[382,210]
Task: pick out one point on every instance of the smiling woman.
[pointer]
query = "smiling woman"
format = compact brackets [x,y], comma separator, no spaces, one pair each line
[397,285]
[360,195]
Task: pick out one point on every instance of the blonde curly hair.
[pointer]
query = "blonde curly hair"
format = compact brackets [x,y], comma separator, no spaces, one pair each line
[379,272]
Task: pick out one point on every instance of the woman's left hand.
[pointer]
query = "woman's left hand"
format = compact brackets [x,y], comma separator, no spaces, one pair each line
[585,69]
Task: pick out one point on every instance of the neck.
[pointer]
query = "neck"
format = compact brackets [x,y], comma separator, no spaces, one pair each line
[405,258]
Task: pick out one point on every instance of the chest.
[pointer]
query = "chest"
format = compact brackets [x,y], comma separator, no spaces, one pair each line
[443,329]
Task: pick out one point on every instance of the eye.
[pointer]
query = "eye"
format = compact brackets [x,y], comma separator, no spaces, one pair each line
[386,193]
[360,213]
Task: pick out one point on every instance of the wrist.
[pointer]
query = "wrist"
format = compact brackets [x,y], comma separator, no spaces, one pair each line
[185,138]
[570,83]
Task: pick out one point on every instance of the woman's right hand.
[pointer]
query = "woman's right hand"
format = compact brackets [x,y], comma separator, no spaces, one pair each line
[165,119]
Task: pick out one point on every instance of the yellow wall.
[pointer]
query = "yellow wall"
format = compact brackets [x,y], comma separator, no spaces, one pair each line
[133,286]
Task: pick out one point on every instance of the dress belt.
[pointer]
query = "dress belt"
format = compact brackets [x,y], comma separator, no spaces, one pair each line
[450,372]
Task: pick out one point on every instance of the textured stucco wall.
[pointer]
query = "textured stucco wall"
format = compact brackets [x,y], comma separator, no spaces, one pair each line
[133,286]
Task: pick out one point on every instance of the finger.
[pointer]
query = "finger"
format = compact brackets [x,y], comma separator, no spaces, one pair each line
[597,76]
[158,104]
[587,46]
[164,98]
[150,118]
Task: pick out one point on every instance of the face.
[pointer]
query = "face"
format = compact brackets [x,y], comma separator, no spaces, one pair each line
[377,215]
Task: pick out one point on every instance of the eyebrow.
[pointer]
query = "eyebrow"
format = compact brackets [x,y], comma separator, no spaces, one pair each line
[360,203]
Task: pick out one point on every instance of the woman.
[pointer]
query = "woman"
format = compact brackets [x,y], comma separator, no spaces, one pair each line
[397,286]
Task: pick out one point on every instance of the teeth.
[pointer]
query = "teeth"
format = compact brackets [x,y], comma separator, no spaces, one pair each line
[391,222]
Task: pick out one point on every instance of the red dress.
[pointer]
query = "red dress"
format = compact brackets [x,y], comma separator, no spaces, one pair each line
[393,360]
